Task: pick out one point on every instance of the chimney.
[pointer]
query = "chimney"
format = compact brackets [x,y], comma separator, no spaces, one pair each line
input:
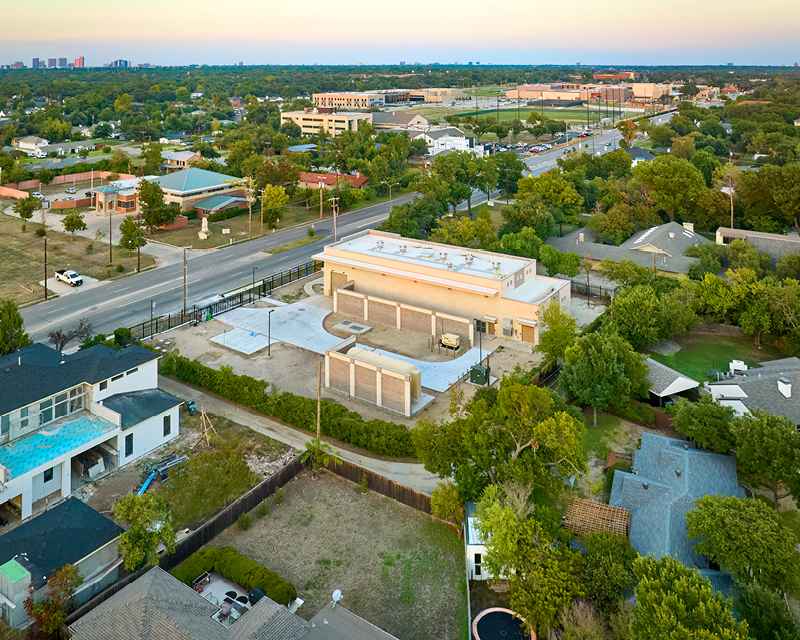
[645,485]
[785,387]
[580,237]
[689,226]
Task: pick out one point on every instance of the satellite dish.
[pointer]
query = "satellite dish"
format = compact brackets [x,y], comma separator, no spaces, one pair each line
[337,595]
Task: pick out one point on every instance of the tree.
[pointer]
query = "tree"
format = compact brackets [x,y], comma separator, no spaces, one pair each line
[8,633]
[746,538]
[60,338]
[670,183]
[707,164]
[49,614]
[706,421]
[152,159]
[24,208]
[320,453]
[155,212]
[768,452]
[637,315]
[602,371]
[73,222]
[273,202]
[788,267]
[103,131]
[463,232]
[122,103]
[446,503]
[607,569]
[766,613]
[83,154]
[558,332]
[279,143]
[566,264]
[12,330]
[150,523]
[553,189]
[616,223]
[628,130]
[677,603]
[131,236]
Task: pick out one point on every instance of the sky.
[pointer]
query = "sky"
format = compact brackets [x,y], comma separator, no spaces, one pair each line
[590,32]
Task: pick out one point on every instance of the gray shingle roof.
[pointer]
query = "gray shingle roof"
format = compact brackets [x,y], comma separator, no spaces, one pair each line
[670,251]
[64,534]
[381,118]
[774,244]
[669,475]
[760,385]
[637,153]
[36,372]
[137,406]
[159,607]
[663,379]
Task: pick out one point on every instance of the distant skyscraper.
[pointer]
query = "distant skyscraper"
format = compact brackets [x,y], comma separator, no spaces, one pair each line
[51,63]
[62,63]
[79,63]
[402,63]
[35,63]
[17,65]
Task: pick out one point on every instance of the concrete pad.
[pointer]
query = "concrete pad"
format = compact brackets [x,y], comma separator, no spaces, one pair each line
[246,342]
[352,327]
[64,289]
[420,403]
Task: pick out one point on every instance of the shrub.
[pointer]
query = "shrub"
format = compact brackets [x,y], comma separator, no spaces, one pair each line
[89,247]
[196,565]
[279,495]
[245,521]
[123,336]
[100,338]
[636,412]
[364,483]
[41,233]
[226,215]
[263,510]
[311,231]
[120,268]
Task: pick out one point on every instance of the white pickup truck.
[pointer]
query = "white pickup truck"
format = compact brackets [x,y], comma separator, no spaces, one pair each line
[70,277]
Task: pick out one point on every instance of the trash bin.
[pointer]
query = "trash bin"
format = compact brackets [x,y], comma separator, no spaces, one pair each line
[192,407]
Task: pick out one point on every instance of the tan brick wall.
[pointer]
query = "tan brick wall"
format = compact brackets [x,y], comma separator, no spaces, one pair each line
[351,305]
[415,321]
[383,313]
[366,384]
[340,375]
[446,325]
[393,393]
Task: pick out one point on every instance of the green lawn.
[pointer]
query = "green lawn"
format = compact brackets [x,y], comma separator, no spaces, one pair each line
[596,441]
[509,114]
[701,352]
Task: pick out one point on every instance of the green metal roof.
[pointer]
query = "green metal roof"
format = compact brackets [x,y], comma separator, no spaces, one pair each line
[14,571]
[217,201]
[193,179]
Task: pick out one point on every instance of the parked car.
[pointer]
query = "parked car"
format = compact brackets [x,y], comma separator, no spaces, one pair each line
[69,198]
[36,194]
[71,190]
[70,277]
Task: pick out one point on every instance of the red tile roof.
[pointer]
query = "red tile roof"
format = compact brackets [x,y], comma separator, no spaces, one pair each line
[332,178]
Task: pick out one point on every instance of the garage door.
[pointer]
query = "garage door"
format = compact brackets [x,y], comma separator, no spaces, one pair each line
[528,333]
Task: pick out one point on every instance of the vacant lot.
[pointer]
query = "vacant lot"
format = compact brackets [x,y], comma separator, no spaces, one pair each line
[701,352]
[22,258]
[395,566]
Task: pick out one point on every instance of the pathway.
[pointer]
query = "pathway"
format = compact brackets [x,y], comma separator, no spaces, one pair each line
[411,475]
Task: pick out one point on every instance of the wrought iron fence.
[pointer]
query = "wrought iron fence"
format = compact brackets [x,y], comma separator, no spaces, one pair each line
[260,290]
[592,290]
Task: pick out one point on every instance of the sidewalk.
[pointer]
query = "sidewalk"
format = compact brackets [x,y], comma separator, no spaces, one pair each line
[411,475]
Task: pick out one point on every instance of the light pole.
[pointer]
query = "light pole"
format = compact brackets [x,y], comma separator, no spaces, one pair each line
[394,184]
[152,308]
[269,332]
[254,276]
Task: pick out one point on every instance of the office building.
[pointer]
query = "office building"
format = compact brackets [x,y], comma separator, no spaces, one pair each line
[79,63]
[51,63]
[310,120]
[359,99]
[62,63]
[35,63]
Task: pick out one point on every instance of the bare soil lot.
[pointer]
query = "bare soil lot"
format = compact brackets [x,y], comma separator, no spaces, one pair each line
[396,567]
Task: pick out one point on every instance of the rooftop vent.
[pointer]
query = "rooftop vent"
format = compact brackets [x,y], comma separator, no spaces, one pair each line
[443,256]
[671,235]
[678,472]
[686,447]
[785,387]
[449,265]
[580,237]
[380,244]
[645,485]
[402,249]
[496,265]
[468,259]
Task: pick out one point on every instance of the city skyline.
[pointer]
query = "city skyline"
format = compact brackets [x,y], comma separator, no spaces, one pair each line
[258,33]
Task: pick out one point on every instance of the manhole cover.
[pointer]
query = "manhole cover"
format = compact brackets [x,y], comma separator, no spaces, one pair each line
[301,309]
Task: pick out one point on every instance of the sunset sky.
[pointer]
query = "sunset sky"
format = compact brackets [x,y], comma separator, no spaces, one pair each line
[177,32]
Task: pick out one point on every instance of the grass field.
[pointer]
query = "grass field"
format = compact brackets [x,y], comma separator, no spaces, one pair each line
[570,114]
[292,245]
[701,352]
[596,442]
[21,258]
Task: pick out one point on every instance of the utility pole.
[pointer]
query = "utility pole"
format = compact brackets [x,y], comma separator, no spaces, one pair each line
[335,207]
[262,213]
[184,279]
[320,200]
[250,214]
[138,245]
[45,267]
[319,399]
[110,243]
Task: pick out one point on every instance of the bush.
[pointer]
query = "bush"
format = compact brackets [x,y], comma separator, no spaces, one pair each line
[41,233]
[120,268]
[89,248]
[636,412]
[310,231]
[245,521]
[100,338]
[226,215]
[237,568]
[263,510]
[123,336]
[279,495]
[376,436]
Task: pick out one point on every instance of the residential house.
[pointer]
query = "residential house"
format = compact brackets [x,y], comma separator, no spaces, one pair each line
[475,546]
[638,155]
[399,120]
[662,248]
[67,417]
[174,138]
[328,181]
[447,139]
[437,288]
[773,244]
[767,387]
[159,607]
[29,144]
[196,95]
[668,476]
[666,382]
[69,533]
[177,160]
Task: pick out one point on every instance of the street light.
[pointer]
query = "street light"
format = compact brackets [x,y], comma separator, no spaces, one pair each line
[269,332]
[395,184]
[254,276]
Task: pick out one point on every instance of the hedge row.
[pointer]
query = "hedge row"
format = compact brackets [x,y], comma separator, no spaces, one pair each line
[237,568]
[376,436]
[226,215]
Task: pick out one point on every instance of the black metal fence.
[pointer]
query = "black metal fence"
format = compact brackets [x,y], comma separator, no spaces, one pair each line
[592,290]
[261,289]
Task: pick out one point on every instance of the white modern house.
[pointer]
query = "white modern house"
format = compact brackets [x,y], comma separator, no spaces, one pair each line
[475,546]
[64,418]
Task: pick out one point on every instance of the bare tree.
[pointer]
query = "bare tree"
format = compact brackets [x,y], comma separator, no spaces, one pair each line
[60,338]
[84,329]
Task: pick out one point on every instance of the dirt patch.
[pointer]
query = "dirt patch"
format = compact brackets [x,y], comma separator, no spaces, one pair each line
[482,596]
[396,567]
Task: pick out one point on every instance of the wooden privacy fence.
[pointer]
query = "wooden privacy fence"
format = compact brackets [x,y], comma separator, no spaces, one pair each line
[383,485]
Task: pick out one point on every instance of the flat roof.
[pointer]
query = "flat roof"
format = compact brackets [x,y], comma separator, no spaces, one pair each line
[536,290]
[410,252]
